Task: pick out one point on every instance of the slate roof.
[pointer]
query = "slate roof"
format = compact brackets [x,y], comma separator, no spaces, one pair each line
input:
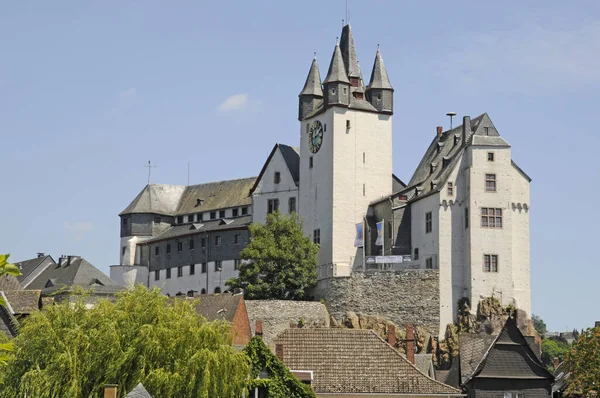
[78,273]
[9,282]
[139,392]
[337,70]
[472,347]
[561,377]
[7,323]
[354,361]
[312,86]
[210,306]
[27,266]
[182,230]
[291,156]
[349,52]
[423,362]
[178,199]
[23,302]
[379,76]
[508,357]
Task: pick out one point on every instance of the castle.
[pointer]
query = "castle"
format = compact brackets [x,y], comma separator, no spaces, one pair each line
[462,219]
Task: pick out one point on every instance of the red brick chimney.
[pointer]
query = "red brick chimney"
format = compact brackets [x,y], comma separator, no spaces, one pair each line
[391,335]
[410,343]
[439,130]
[279,351]
[110,391]
[258,328]
[556,363]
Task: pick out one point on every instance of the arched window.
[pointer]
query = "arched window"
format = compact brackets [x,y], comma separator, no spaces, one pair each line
[217,290]
[203,291]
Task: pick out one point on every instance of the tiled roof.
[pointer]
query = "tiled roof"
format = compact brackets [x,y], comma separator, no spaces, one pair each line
[354,361]
[139,392]
[291,155]
[23,301]
[9,282]
[78,273]
[178,199]
[182,230]
[379,76]
[219,306]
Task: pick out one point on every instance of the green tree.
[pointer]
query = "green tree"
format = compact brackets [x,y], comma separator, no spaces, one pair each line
[539,325]
[583,362]
[281,383]
[6,269]
[551,349]
[281,260]
[72,350]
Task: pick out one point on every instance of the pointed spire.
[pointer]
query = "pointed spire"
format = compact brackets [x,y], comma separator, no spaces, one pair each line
[313,80]
[379,76]
[349,53]
[337,71]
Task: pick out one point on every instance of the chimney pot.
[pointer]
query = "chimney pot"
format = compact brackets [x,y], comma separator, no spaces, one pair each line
[410,343]
[556,363]
[279,351]
[258,329]
[391,335]
[40,254]
[466,129]
[110,390]
[439,130]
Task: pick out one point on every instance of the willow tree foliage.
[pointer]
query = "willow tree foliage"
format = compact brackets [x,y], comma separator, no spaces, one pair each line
[6,268]
[281,260]
[72,350]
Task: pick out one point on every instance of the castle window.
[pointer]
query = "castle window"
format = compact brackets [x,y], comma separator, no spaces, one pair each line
[213,215]
[317,236]
[217,290]
[324,127]
[218,267]
[490,156]
[168,273]
[490,263]
[236,239]
[192,269]
[490,182]
[203,242]
[364,157]
[199,217]
[450,189]
[234,212]
[272,205]
[491,217]
[203,291]
[466,217]
[277,177]
[364,189]
[378,96]
[179,271]
[222,214]
[217,240]
[310,162]
[168,248]
[416,256]
[429,263]
[156,250]
[292,205]
[389,229]
[486,131]
[244,211]
[179,246]
[428,222]
[157,275]
[203,268]
[179,219]
[332,91]
[307,128]
[348,124]
[124,221]
[123,250]
[236,264]
[192,244]
[345,91]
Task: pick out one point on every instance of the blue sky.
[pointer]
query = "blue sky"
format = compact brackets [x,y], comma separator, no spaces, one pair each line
[89,91]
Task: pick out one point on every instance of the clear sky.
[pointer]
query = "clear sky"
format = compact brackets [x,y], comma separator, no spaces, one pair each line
[89,91]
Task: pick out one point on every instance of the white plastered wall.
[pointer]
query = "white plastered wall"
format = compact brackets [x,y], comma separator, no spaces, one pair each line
[195,282]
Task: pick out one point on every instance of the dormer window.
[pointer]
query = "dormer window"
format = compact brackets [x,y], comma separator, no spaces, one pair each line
[486,131]
[432,168]
[179,219]
[456,139]
[277,177]
[199,202]
[445,161]
[440,146]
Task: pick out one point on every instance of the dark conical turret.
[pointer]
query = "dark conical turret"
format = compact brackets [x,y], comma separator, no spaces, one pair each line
[337,85]
[311,95]
[349,56]
[379,91]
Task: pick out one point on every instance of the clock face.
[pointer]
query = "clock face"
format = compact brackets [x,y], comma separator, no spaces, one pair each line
[315,136]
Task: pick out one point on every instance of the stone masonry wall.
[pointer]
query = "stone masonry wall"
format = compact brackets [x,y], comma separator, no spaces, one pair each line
[406,296]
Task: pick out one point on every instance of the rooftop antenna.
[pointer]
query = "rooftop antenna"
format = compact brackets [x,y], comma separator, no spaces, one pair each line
[451,114]
[149,166]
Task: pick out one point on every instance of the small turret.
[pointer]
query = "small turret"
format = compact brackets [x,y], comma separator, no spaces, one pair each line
[379,91]
[311,95]
[349,56]
[337,85]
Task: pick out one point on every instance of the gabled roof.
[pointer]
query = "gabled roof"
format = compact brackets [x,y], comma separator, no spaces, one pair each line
[337,70]
[509,356]
[312,86]
[139,392]
[355,361]
[78,272]
[9,282]
[175,200]
[219,306]
[379,76]
[23,302]
[349,53]
[27,266]
[291,156]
